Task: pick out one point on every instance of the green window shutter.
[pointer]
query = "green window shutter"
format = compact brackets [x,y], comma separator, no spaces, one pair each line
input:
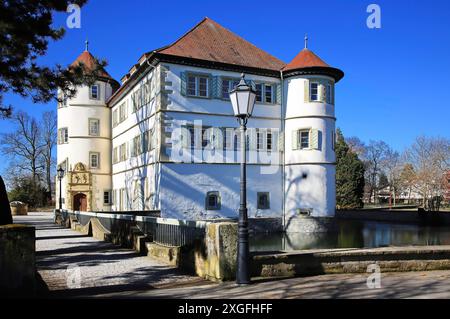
[278,93]
[314,139]
[306,91]
[278,141]
[183,78]
[323,91]
[216,87]
[295,139]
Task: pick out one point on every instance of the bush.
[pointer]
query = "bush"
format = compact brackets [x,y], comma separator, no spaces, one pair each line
[27,191]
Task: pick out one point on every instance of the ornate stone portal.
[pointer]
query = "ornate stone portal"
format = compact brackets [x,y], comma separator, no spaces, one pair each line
[79,182]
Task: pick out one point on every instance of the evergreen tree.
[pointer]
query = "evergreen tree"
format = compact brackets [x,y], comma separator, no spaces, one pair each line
[349,176]
[25,30]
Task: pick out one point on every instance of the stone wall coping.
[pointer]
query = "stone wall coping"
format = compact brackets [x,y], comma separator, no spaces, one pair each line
[355,252]
[16,227]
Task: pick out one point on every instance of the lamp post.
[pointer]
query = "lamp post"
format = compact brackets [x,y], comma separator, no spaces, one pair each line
[60,177]
[243,100]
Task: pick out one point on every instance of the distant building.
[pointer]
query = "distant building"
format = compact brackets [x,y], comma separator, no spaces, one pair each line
[166,138]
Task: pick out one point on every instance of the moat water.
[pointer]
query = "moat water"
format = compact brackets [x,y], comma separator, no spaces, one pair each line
[355,234]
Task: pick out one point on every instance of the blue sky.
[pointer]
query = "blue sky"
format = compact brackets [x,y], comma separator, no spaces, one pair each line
[396,82]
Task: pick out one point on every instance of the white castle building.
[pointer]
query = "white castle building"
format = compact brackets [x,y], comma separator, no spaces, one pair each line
[166,138]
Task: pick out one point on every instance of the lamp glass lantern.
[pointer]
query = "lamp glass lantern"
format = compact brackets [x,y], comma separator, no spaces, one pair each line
[60,172]
[243,98]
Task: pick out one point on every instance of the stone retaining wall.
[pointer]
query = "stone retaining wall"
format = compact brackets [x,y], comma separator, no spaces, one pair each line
[334,261]
[17,260]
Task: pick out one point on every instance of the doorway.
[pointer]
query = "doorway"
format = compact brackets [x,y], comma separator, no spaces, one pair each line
[80,202]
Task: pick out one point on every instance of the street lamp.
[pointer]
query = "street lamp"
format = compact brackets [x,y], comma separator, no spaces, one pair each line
[60,177]
[243,100]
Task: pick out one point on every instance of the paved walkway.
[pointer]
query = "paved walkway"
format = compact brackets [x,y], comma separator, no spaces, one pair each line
[106,271]
[68,260]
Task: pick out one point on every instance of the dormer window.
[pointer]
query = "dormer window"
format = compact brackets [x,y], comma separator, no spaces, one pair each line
[314,91]
[94,92]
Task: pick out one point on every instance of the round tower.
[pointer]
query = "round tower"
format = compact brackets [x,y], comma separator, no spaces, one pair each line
[310,191]
[84,142]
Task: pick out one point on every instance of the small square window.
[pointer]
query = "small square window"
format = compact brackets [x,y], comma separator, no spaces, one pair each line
[94,92]
[263,200]
[107,198]
[212,201]
[63,136]
[94,127]
[94,160]
[314,91]
[304,139]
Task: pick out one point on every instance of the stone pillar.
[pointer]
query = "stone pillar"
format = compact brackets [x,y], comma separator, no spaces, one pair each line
[216,259]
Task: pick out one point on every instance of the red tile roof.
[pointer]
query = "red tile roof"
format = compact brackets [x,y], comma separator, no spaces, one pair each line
[305,59]
[210,41]
[89,62]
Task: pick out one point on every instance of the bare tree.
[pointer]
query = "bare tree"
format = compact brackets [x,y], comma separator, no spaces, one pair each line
[48,140]
[376,153]
[392,167]
[357,146]
[24,146]
[430,158]
[408,179]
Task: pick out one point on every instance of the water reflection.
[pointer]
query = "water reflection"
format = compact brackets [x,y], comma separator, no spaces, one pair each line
[355,234]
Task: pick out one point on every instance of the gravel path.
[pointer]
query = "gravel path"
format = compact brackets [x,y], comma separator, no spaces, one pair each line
[68,260]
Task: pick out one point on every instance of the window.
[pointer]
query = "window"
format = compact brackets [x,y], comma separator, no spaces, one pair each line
[227,86]
[265,93]
[304,139]
[314,91]
[94,127]
[115,155]
[260,140]
[137,146]
[263,200]
[123,152]
[115,117]
[212,201]
[145,142]
[94,159]
[107,200]
[94,92]
[63,135]
[329,94]
[269,141]
[123,112]
[268,93]
[198,86]
[259,92]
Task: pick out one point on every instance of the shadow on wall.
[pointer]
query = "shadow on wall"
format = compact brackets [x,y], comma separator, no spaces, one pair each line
[300,202]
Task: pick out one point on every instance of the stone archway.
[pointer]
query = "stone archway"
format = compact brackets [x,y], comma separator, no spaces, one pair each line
[80,202]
